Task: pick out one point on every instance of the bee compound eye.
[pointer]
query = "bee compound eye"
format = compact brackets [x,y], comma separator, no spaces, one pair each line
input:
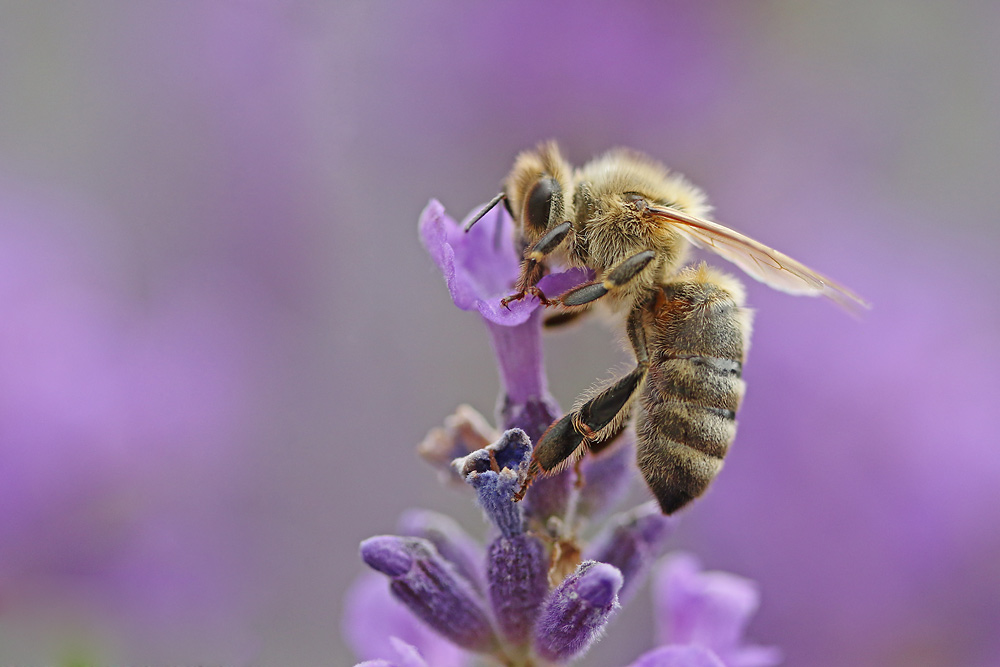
[538,206]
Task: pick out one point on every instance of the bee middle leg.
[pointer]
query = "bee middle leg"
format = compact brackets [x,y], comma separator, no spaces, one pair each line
[619,276]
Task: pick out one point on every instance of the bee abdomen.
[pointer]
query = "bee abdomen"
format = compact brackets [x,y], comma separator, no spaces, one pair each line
[686,413]
[684,432]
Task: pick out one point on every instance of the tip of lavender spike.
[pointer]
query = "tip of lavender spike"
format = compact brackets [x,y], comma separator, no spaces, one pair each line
[600,584]
[386,554]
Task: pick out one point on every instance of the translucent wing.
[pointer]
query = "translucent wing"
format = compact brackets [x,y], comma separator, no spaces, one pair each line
[773,268]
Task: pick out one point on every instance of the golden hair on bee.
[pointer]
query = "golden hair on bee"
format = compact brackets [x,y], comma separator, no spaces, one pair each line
[539,190]
[632,221]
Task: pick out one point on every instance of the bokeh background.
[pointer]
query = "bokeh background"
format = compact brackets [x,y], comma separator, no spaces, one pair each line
[220,339]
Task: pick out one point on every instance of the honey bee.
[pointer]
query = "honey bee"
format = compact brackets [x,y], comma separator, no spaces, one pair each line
[632,221]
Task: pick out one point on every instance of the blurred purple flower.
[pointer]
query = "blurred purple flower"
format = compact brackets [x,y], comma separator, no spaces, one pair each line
[679,656]
[118,432]
[373,618]
[708,609]
[407,656]
[631,541]
[867,454]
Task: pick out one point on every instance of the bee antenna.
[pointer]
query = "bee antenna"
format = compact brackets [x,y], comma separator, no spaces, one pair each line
[486,209]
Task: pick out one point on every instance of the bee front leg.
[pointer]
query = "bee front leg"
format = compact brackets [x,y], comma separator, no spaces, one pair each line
[533,267]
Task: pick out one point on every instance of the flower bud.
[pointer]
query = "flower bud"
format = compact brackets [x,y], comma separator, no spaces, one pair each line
[576,612]
[432,589]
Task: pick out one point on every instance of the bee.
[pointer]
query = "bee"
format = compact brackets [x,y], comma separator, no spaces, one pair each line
[632,222]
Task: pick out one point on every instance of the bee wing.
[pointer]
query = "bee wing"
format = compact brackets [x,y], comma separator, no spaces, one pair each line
[773,268]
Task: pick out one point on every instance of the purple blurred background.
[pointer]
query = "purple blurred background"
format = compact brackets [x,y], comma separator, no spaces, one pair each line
[221,339]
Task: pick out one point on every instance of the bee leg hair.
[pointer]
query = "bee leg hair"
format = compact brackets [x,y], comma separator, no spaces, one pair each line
[565,437]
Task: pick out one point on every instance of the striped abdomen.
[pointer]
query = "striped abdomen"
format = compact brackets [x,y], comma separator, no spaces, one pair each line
[696,335]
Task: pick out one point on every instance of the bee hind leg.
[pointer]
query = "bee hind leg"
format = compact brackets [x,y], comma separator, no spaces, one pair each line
[598,420]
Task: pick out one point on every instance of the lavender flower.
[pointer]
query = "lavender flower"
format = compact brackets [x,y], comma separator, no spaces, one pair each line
[480,267]
[708,609]
[517,563]
[541,602]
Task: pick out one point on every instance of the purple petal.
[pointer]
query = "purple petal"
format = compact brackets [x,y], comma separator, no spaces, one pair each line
[559,282]
[679,656]
[709,609]
[373,618]
[480,266]
[431,589]
[577,611]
